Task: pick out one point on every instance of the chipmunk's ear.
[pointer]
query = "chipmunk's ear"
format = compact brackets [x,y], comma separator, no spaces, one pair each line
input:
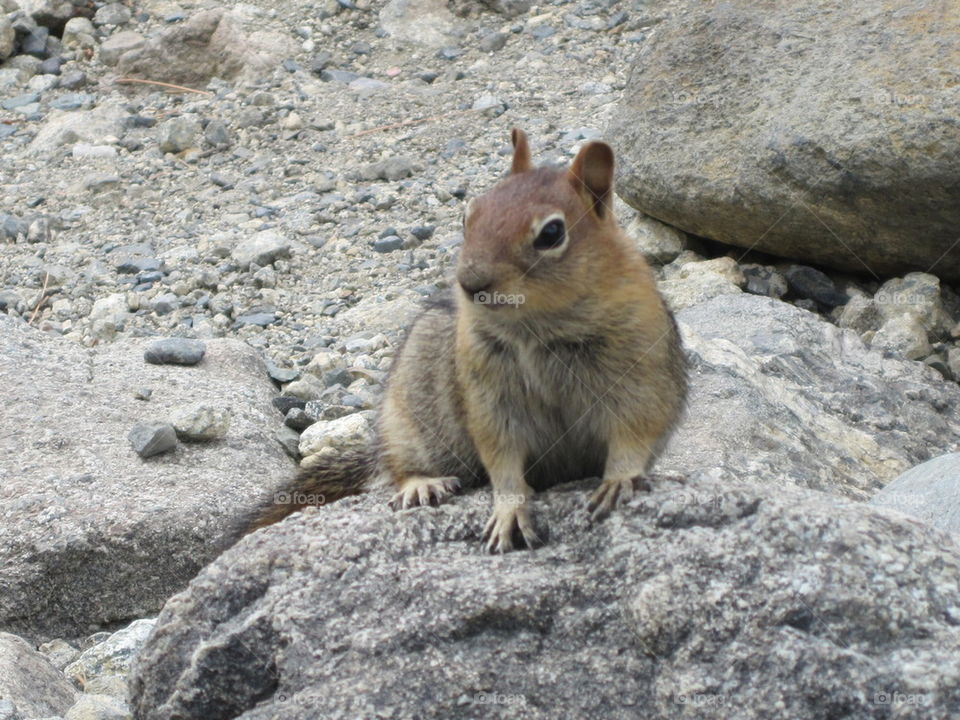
[592,175]
[521,151]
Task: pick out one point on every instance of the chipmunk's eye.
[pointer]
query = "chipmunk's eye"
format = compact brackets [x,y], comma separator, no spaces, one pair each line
[551,236]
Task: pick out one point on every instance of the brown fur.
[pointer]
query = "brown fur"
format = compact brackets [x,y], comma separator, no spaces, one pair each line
[586,377]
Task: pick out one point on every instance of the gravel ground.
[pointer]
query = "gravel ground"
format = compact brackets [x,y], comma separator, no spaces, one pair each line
[352,220]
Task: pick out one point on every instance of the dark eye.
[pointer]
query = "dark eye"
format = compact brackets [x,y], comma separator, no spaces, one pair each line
[551,236]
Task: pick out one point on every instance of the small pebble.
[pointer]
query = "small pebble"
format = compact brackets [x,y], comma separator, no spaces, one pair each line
[175,351]
[149,439]
[200,422]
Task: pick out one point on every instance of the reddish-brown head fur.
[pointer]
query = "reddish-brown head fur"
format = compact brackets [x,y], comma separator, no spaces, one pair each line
[533,241]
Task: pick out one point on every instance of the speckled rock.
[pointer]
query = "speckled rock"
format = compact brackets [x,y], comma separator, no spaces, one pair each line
[704,596]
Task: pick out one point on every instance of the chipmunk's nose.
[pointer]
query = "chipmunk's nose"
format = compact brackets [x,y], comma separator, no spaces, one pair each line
[473,280]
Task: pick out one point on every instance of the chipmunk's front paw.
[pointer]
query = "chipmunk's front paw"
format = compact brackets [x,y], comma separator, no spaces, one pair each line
[612,493]
[416,492]
[509,527]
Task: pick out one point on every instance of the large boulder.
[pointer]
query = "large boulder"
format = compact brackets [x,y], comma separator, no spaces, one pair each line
[780,396]
[211,43]
[694,599]
[823,131]
[91,534]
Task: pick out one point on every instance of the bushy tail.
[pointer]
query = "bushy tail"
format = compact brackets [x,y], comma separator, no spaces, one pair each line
[327,481]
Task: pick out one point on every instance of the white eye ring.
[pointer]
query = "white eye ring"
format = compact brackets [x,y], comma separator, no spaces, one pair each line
[538,227]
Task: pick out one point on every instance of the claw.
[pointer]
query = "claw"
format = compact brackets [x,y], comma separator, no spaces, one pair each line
[612,493]
[420,491]
[509,528]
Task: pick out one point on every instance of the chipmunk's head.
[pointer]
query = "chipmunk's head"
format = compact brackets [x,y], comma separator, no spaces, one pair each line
[531,243]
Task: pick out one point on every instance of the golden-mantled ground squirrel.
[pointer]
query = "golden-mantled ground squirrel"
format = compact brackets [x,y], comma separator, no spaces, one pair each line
[555,360]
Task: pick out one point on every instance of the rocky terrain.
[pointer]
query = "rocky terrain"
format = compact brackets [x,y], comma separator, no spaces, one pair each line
[270,190]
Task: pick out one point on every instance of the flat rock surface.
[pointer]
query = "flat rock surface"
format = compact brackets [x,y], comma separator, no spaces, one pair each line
[692,600]
[90,534]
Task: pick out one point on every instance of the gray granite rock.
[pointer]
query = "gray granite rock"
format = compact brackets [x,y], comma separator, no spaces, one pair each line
[200,422]
[210,43]
[785,128]
[98,707]
[90,534]
[781,396]
[178,134]
[112,656]
[930,491]
[693,599]
[30,682]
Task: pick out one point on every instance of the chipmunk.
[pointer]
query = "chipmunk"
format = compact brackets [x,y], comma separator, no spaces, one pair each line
[555,360]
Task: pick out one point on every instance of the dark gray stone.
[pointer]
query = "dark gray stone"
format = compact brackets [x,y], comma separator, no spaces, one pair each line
[285,403]
[810,283]
[259,319]
[217,134]
[149,439]
[175,351]
[73,80]
[165,303]
[297,419]
[281,375]
[340,76]
[387,244]
[423,232]
[492,42]
[762,280]
[542,32]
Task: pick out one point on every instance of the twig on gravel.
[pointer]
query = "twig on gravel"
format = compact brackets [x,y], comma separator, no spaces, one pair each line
[43,296]
[181,88]
[414,121]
